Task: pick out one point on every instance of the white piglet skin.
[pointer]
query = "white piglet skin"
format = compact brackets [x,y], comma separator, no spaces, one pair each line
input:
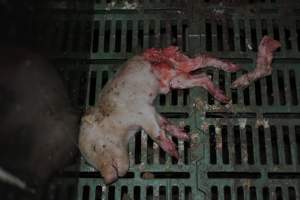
[124,106]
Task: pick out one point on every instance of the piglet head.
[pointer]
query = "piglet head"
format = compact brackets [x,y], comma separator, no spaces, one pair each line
[104,150]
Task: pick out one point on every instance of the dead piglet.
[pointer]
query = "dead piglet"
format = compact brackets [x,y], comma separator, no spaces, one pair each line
[125,106]
[263,68]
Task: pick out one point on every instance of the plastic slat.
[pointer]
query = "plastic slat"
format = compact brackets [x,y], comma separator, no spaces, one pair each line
[240,91]
[293,37]
[135,36]
[98,82]
[269,153]
[244,150]
[146,34]
[202,32]
[228,90]
[144,148]
[92,192]
[292,135]
[216,81]
[157,33]
[252,94]
[101,36]
[112,38]
[236,39]
[275,87]
[263,92]
[132,151]
[282,36]
[248,34]
[181,152]
[230,142]
[179,34]
[214,36]
[225,37]
[124,40]
[168,32]
[288,93]
[280,145]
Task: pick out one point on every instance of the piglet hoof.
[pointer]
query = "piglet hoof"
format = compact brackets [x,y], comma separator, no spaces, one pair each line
[167,145]
[220,96]
[233,67]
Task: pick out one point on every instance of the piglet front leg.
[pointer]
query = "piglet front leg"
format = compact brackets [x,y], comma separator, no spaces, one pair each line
[157,127]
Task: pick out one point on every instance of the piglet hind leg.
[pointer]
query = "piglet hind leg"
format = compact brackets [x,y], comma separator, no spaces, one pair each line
[263,68]
[184,80]
[186,64]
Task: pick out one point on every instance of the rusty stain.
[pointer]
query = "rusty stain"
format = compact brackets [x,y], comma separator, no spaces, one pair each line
[148,175]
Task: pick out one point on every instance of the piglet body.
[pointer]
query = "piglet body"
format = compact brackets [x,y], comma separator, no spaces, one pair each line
[125,106]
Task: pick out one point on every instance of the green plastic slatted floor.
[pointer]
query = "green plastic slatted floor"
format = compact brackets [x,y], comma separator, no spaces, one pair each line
[249,149]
